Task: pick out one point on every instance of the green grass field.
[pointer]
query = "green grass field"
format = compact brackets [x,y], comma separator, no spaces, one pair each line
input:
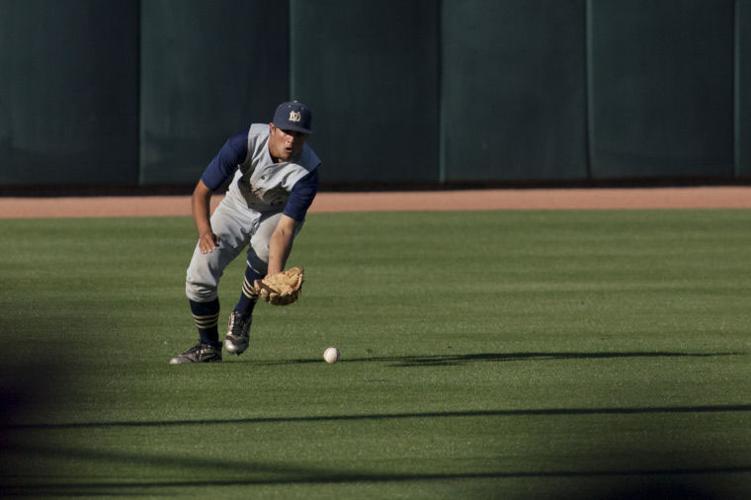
[485,355]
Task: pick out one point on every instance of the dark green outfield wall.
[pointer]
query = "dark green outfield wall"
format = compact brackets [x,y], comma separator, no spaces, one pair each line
[743,89]
[129,93]
[662,88]
[369,70]
[513,90]
[68,92]
[207,69]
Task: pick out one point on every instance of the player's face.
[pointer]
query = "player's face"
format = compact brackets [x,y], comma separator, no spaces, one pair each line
[285,144]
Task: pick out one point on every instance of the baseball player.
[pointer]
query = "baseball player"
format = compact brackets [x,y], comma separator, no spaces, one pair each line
[274,181]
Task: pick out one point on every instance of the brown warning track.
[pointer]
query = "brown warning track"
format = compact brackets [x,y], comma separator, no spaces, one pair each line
[495,199]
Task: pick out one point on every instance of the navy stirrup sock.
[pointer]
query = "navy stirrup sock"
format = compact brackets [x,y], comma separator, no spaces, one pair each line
[248,299]
[206,319]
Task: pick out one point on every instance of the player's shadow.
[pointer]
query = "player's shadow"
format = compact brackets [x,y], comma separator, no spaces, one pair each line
[427,360]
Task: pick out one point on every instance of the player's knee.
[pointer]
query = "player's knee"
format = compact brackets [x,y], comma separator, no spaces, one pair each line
[200,292]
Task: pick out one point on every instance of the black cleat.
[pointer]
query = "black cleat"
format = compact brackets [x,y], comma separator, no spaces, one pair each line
[199,353]
[238,334]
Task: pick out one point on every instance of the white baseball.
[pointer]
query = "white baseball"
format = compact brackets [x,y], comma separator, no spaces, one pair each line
[331,355]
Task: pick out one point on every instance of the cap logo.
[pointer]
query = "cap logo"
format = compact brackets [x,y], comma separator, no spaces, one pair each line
[295,116]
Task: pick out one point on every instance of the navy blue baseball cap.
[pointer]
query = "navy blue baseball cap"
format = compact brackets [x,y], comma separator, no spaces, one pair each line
[293,115]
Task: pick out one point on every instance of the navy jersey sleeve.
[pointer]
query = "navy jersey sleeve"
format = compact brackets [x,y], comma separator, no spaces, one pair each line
[301,196]
[226,161]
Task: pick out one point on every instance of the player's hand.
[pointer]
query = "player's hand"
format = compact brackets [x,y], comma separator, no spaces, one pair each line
[207,242]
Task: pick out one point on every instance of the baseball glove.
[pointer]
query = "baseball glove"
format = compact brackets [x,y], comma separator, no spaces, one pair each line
[281,288]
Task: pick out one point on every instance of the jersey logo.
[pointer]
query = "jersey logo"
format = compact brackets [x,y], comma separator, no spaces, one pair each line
[295,116]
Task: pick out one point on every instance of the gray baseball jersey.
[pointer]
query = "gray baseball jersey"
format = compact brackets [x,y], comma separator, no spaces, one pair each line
[262,184]
[259,193]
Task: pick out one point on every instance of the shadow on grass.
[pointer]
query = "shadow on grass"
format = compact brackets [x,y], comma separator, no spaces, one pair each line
[16,399]
[192,472]
[461,359]
[540,412]
[251,473]
[172,472]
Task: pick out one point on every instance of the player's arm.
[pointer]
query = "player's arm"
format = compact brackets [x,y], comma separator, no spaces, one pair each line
[280,245]
[300,199]
[234,152]
[201,204]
